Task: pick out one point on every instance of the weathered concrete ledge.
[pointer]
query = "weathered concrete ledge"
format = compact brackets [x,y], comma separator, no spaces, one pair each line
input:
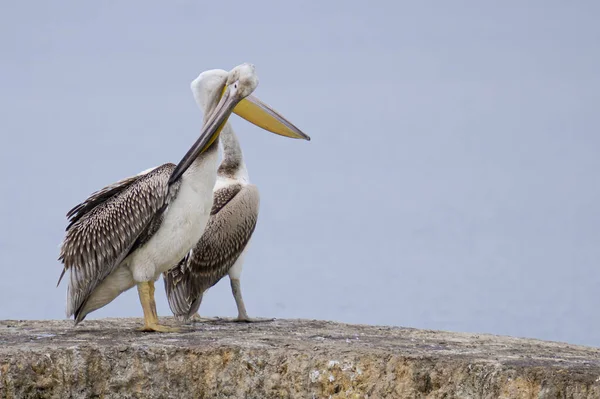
[284,359]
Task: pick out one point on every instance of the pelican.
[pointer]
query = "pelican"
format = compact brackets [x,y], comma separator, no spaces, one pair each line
[221,249]
[225,241]
[130,232]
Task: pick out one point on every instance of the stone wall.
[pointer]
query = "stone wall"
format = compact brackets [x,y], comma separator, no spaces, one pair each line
[284,359]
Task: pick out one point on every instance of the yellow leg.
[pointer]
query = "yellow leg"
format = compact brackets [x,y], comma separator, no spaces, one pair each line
[146,293]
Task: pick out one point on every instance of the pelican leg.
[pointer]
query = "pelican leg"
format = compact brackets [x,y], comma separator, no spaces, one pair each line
[146,293]
[236,289]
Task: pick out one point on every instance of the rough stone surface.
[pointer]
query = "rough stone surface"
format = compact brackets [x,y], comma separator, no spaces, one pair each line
[284,359]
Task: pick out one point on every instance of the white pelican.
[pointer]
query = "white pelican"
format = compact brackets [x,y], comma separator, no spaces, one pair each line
[132,231]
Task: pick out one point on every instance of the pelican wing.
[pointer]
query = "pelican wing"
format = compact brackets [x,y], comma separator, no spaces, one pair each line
[108,226]
[232,222]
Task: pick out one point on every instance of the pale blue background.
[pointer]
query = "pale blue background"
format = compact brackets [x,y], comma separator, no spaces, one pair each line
[451,183]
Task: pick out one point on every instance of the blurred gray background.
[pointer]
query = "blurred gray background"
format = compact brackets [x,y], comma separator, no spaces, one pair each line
[451,183]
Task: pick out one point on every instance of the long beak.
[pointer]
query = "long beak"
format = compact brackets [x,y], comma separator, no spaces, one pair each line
[260,114]
[210,131]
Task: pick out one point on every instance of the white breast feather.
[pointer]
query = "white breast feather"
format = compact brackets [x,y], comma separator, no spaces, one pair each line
[183,224]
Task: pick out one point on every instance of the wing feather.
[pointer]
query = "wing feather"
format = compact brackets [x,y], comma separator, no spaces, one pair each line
[97,198]
[229,229]
[106,227]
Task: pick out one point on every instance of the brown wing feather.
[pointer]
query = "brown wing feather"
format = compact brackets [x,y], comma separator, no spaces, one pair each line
[104,229]
[229,229]
[176,290]
[97,198]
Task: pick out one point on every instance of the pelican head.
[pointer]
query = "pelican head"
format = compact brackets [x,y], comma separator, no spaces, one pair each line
[219,93]
[210,86]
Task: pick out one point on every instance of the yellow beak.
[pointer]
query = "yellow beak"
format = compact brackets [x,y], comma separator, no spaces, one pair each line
[260,114]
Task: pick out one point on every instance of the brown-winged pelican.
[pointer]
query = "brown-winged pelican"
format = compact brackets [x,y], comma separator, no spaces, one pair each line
[222,247]
[132,231]
[225,241]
